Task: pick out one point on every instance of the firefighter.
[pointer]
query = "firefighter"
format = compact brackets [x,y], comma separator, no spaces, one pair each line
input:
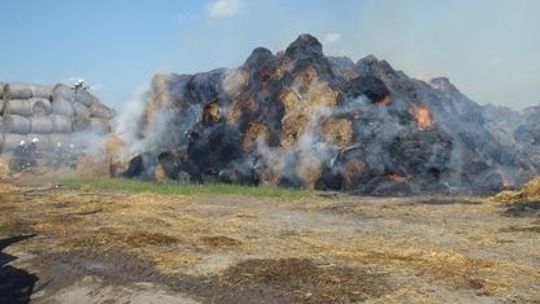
[72,157]
[18,161]
[32,153]
[58,156]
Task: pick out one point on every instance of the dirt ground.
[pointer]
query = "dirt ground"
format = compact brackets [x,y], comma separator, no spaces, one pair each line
[62,245]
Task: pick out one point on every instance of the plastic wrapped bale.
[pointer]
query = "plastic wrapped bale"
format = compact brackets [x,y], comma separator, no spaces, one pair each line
[81,124]
[99,110]
[17,124]
[99,126]
[62,124]
[63,107]
[62,91]
[81,111]
[42,125]
[26,91]
[28,107]
[11,141]
[84,97]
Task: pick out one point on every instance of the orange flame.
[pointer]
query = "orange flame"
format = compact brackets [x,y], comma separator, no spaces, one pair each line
[385,101]
[424,119]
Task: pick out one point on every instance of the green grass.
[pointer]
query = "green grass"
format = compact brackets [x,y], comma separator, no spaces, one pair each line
[170,188]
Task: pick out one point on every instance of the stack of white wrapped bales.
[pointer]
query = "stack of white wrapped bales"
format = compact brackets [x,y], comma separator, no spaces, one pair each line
[53,114]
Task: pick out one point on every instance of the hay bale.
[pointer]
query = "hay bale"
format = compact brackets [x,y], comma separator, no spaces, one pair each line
[81,111]
[99,110]
[84,97]
[11,141]
[99,126]
[62,107]
[17,124]
[28,107]
[62,124]
[42,125]
[50,124]
[1,90]
[254,132]
[1,106]
[337,131]
[64,92]
[26,91]
[81,124]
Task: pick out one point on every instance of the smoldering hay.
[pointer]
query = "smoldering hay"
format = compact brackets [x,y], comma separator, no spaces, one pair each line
[299,118]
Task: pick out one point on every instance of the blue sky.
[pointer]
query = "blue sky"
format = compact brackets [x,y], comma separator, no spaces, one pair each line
[489,49]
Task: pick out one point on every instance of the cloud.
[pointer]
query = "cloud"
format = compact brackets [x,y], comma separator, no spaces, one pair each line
[331,38]
[222,8]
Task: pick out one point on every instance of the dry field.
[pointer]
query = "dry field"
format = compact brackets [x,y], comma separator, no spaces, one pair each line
[129,243]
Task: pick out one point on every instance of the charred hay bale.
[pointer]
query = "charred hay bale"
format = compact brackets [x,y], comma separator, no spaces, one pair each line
[337,131]
[142,166]
[212,148]
[175,165]
[423,156]
[28,107]
[17,124]
[382,186]
[255,132]
[370,86]
[1,106]
[353,171]
[26,91]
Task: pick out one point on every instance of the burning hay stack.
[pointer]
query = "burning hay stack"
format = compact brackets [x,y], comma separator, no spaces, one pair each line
[51,114]
[301,119]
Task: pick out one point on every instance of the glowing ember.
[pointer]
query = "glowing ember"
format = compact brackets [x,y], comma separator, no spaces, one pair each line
[423,117]
[384,101]
[394,177]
